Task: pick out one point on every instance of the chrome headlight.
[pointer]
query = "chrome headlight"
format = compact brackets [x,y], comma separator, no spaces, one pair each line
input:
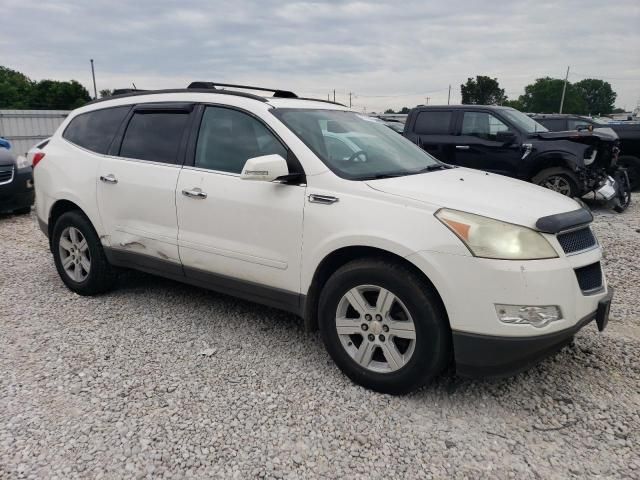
[489,238]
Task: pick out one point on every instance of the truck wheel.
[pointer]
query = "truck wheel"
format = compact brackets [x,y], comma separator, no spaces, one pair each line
[384,328]
[79,256]
[623,196]
[558,179]
[632,164]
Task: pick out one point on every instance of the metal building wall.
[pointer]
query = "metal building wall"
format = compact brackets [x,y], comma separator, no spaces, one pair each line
[25,128]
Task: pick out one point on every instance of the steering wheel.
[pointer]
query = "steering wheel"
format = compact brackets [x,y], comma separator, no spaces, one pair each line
[359,153]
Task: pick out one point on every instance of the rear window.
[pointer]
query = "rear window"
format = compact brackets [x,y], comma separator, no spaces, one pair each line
[433,123]
[154,136]
[95,130]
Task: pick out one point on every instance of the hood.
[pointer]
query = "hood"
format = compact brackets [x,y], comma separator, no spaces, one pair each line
[6,158]
[581,136]
[479,192]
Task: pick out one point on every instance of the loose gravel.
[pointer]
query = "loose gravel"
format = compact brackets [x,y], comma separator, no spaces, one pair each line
[162,380]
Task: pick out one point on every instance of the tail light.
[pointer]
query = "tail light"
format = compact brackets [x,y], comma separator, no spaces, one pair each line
[36,159]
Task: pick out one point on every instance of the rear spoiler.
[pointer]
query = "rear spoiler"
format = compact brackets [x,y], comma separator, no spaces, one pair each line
[564,221]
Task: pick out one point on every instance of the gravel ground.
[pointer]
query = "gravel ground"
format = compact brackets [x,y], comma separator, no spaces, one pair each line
[116,387]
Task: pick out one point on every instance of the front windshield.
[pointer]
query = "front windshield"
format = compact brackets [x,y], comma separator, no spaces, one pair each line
[522,121]
[355,146]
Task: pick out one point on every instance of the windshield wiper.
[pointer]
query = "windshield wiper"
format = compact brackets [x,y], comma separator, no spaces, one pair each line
[432,168]
[385,175]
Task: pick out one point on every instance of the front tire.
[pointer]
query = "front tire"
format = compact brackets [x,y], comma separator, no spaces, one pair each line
[79,256]
[383,326]
[558,179]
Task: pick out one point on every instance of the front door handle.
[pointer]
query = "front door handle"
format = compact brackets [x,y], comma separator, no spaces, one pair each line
[109,178]
[195,193]
[462,147]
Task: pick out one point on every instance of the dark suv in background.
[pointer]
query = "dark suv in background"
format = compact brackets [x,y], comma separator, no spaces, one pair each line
[16,184]
[628,133]
[505,141]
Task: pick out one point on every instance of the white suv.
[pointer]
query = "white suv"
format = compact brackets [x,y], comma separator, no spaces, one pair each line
[404,263]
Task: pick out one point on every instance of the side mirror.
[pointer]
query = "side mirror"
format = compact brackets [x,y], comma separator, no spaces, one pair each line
[507,137]
[266,168]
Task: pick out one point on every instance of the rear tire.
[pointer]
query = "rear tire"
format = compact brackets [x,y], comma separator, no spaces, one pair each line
[558,179]
[79,256]
[632,164]
[404,344]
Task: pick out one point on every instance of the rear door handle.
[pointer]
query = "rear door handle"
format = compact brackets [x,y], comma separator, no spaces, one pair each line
[195,193]
[108,179]
[462,147]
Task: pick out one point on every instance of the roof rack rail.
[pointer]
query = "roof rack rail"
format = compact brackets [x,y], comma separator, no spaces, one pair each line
[122,91]
[213,85]
[135,93]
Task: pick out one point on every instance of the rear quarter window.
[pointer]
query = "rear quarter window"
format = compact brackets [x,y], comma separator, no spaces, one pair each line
[433,123]
[95,130]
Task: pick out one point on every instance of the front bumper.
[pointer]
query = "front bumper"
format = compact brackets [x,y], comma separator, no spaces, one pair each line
[471,288]
[493,357]
[19,193]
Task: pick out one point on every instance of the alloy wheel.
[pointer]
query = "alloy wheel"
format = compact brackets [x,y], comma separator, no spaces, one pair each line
[74,254]
[375,328]
[559,184]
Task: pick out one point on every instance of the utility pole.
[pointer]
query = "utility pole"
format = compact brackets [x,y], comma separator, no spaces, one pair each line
[328,97]
[427,99]
[564,89]
[334,95]
[449,97]
[350,93]
[93,74]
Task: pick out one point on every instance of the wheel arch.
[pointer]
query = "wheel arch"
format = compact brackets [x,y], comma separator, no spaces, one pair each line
[341,256]
[59,208]
[553,160]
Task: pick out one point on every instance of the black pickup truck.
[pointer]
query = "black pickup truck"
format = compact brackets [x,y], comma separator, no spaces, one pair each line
[628,133]
[506,141]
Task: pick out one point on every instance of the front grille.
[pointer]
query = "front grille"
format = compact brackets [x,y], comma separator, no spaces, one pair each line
[589,277]
[577,240]
[6,174]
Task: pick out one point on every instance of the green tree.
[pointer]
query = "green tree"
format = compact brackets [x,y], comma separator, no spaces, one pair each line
[618,110]
[105,93]
[389,110]
[517,104]
[482,90]
[18,91]
[14,89]
[597,94]
[544,95]
[53,94]
[405,110]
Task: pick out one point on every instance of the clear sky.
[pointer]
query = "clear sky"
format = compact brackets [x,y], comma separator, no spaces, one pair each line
[388,53]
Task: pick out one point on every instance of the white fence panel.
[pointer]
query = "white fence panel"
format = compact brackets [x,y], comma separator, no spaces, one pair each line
[25,128]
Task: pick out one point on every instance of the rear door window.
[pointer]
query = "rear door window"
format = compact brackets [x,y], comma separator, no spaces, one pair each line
[95,130]
[433,123]
[154,136]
